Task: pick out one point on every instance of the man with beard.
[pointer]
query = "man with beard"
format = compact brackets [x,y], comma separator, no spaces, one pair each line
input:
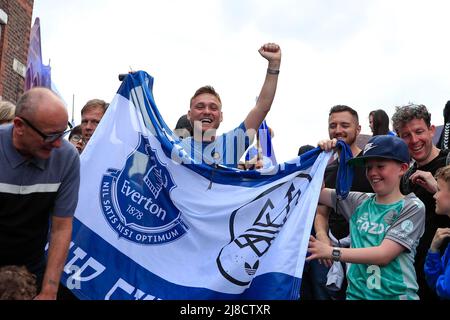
[413,124]
[343,124]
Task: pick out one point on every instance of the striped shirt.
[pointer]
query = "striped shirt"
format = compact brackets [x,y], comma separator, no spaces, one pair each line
[31,191]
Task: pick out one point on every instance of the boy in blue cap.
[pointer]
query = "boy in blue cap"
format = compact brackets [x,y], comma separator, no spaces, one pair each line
[385,226]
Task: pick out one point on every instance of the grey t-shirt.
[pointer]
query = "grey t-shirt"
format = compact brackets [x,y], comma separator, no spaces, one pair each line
[370,224]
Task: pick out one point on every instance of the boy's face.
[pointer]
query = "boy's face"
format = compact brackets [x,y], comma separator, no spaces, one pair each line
[442,197]
[384,175]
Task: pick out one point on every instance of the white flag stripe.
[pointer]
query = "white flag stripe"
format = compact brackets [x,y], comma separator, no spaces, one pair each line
[35,188]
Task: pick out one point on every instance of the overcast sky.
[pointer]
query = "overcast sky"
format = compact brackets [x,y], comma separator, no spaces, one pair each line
[366,54]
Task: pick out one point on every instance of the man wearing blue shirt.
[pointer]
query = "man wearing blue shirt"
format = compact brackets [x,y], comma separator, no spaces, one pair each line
[205,114]
[39,183]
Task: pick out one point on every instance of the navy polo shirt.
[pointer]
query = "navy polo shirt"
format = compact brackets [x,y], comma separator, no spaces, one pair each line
[31,191]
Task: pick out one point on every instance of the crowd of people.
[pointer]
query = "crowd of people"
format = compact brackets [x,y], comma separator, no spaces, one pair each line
[385,241]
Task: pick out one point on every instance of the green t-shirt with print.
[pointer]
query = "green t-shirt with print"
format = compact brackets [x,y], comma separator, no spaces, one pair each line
[371,223]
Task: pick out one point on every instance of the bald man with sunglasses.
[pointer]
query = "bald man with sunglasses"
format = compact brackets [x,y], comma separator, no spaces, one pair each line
[39,181]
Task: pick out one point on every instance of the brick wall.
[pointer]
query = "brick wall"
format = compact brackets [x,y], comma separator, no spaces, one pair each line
[14,42]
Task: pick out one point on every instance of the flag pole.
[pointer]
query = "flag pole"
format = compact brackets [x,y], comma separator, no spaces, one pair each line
[259,155]
[73,108]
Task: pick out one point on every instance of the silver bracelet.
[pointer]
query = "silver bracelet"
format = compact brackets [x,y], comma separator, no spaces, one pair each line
[273,71]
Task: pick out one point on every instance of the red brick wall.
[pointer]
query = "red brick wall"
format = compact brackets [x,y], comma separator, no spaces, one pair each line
[14,42]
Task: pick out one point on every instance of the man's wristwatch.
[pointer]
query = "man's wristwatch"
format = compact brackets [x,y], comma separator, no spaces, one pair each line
[336,254]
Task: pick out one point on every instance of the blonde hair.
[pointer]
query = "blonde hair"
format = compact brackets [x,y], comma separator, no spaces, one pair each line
[208,90]
[7,112]
[444,174]
[94,104]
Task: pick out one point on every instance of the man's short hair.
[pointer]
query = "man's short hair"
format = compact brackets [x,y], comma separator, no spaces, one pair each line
[344,108]
[29,100]
[94,104]
[206,89]
[404,114]
[183,127]
[17,283]
[305,148]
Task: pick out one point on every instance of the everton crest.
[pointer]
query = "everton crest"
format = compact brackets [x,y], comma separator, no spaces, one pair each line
[136,199]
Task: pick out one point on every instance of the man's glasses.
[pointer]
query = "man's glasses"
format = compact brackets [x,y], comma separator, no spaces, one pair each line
[48,138]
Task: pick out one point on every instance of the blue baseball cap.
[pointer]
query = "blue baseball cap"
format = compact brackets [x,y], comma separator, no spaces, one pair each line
[383,146]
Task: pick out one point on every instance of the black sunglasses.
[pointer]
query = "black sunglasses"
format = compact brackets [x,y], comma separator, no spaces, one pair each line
[48,138]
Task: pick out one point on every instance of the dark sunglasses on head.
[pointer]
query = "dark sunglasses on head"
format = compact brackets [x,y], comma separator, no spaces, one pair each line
[48,138]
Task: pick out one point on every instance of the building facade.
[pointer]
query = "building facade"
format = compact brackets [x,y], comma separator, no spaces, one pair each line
[15,25]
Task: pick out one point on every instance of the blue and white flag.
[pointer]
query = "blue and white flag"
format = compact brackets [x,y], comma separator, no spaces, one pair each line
[37,74]
[153,224]
[264,144]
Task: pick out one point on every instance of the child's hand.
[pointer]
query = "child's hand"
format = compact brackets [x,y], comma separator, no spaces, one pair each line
[439,236]
[318,249]
[323,237]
